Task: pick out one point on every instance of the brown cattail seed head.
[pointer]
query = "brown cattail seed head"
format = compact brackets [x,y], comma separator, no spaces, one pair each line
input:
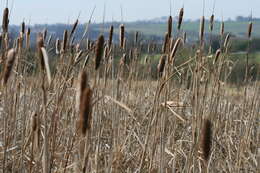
[110,38]
[23,27]
[184,37]
[180,18]
[161,65]
[222,28]
[74,28]
[65,39]
[227,40]
[206,139]
[28,33]
[5,20]
[174,50]
[40,44]
[165,44]
[57,46]
[217,54]
[82,85]
[202,24]
[136,37]
[99,51]
[250,27]
[34,122]
[44,32]
[85,111]
[9,65]
[122,36]
[211,24]
[170,26]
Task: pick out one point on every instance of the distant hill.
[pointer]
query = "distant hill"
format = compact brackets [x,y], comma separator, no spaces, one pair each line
[150,29]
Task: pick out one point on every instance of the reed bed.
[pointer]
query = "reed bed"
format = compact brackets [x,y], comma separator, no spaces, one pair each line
[82,110]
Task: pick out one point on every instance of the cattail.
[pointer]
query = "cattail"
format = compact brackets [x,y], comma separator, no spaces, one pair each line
[227,40]
[1,40]
[57,46]
[136,37]
[46,63]
[44,32]
[172,42]
[222,28]
[9,65]
[40,44]
[34,122]
[211,25]
[74,28]
[174,50]
[206,139]
[166,39]
[122,35]
[170,26]
[130,56]
[160,66]
[65,39]
[82,85]
[49,40]
[23,28]
[180,18]
[202,24]
[28,35]
[217,54]
[184,37]
[146,59]
[36,131]
[99,51]
[5,20]
[20,41]
[250,27]
[110,38]
[85,111]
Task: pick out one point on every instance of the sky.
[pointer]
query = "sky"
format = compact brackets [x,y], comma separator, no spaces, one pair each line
[67,11]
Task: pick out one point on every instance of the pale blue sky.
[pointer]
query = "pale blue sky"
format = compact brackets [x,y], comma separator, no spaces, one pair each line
[62,11]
